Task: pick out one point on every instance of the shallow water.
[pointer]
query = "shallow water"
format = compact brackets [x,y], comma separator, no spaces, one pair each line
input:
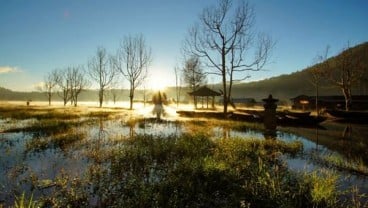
[18,163]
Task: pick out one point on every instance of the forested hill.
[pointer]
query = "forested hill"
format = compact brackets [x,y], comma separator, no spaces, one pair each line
[291,85]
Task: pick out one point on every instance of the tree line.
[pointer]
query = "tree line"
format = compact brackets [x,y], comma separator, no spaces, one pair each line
[131,60]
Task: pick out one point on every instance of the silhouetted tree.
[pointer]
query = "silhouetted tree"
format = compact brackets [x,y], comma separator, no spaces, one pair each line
[193,75]
[78,82]
[224,38]
[177,85]
[49,84]
[101,71]
[114,90]
[345,71]
[132,60]
[64,84]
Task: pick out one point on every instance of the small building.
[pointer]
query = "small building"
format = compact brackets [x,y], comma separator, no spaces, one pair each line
[247,102]
[236,102]
[204,93]
[305,102]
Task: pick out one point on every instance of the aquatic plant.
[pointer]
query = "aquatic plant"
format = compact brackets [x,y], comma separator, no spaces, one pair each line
[190,169]
[196,171]
[61,141]
[23,202]
[323,185]
[336,161]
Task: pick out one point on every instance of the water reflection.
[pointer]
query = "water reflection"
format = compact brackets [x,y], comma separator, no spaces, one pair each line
[340,147]
[346,142]
[270,134]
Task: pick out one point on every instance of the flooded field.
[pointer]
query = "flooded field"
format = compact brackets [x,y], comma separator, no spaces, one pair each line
[62,155]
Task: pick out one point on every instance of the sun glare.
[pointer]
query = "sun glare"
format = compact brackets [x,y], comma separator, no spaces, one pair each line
[158,82]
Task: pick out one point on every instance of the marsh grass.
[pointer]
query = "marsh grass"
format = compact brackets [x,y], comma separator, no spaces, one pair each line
[191,169]
[195,171]
[235,125]
[23,112]
[23,202]
[323,188]
[103,114]
[338,162]
[47,126]
[206,126]
[58,113]
[62,141]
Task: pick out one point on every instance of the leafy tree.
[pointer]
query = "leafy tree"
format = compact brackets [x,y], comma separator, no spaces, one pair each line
[193,75]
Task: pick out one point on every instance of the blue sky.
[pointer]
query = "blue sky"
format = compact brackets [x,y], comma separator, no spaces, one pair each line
[39,36]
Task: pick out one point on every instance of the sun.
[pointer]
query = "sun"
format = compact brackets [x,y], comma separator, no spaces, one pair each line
[158,82]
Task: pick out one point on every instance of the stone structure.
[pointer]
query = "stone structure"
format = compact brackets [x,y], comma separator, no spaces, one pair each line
[270,120]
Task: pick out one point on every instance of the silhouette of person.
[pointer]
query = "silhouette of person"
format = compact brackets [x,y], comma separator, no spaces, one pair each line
[158,100]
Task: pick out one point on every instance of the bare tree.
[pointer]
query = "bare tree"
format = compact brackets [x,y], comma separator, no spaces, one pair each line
[78,82]
[193,75]
[49,84]
[64,84]
[114,90]
[177,85]
[133,59]
[317,73]
[224,38]
[345,71]
[101,71]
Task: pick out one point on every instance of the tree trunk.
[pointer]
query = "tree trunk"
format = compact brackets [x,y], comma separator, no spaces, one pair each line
[49,99]
[195,102]
[76,101]
[223,62]
[225,96]
[348,99]
[317,95]
[100,97]
[131,97]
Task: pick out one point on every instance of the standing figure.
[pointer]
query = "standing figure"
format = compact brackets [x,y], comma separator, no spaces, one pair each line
[158,100]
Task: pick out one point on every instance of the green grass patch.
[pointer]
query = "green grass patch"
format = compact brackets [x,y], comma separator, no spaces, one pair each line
[61,141]
[195,171]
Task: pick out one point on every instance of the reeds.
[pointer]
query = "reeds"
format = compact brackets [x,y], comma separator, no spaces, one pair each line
[190,169]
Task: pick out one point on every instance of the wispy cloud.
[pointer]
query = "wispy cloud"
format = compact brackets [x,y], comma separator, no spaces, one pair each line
[8,69]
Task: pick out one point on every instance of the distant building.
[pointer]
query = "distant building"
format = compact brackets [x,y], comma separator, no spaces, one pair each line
[360,102]
[246,102]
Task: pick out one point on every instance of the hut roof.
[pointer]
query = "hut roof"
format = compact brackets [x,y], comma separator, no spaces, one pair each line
[204,91]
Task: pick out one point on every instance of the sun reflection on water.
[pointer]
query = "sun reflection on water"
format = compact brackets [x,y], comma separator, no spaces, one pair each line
[147,111]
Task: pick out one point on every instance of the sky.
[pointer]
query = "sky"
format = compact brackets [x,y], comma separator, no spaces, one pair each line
[39,36]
